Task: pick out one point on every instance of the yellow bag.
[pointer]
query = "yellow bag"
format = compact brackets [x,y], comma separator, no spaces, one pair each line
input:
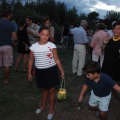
[62,94]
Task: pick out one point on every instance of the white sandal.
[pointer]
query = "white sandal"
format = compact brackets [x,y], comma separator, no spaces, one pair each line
[50,116]
[38,111]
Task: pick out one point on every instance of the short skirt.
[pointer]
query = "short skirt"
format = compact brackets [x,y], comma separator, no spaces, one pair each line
[22,49]
[47,78]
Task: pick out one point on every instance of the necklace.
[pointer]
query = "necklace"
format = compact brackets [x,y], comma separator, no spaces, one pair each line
[116,39]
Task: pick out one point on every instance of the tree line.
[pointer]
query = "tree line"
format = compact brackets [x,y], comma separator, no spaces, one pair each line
[57,12]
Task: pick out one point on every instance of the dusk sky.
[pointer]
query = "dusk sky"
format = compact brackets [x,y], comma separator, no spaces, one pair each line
[87,6]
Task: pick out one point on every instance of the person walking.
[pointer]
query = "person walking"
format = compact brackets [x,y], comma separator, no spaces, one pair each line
[7,37]
[23,45]
[47,64]
[80,41]
[97,43]
[101,85]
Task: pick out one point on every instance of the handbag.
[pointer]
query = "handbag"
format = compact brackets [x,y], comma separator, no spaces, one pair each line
[62,93]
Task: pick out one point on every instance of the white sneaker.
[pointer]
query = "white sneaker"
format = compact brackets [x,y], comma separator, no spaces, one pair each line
[50,116]
[38,111]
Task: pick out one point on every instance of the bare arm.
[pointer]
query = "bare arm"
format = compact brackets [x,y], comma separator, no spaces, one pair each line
[107,39]
[14,36]
[30,65]
[117,88]
[84,88]
[55,55]
[29,31]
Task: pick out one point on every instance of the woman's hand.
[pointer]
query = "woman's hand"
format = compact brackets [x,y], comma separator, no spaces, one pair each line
[29,77]
[62,75]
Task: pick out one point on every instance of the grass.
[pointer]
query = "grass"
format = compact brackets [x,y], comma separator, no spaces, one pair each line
[19,99]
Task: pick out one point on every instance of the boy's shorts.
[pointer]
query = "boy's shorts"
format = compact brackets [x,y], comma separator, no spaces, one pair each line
[6,55]
[101,102]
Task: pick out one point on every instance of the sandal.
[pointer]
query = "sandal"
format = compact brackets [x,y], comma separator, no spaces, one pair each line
[6,81]
[50,117]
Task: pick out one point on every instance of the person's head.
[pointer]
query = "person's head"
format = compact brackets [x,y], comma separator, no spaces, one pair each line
[101,26]
[21,22]
[92,70]
[46,22]
[113,23]
[66,25]
[29,20]
[84,23]
[116,29]
[44,34]
[7,14]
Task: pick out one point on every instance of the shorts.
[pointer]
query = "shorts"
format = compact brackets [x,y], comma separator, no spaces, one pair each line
[101,102]
[47,78]
[6,55]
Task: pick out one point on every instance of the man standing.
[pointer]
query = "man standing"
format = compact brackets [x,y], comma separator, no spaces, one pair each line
[7,33]
[32,29]
[80,39]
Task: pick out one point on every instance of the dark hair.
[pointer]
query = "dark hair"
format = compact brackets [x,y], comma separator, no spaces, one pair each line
[101,26]
[92,67]
[6,13]
[21,21]
[43,28]
[46,19]
[116,23]
[29,17]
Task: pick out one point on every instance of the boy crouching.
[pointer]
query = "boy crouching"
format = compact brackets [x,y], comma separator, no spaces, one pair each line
[101,85]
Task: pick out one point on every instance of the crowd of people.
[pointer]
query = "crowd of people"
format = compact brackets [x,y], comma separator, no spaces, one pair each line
[37,48]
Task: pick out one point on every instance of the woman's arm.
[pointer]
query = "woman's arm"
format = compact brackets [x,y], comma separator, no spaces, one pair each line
[30,65]
[55,55]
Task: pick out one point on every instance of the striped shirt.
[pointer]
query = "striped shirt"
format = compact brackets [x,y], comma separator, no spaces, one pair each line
[79,35]
[43,55]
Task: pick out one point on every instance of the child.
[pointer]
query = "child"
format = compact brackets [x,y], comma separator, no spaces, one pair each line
[47,64]
[101,85]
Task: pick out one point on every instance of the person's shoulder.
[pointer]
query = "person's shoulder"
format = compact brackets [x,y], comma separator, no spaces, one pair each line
[105,76]
[51,44]
[35,44]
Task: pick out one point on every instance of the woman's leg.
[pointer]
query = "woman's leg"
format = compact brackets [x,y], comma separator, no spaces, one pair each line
[44,98]
[18,61]
[25,61]
[101,60]
[52,100]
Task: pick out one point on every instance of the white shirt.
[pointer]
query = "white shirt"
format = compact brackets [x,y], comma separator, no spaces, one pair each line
[35,29]
[43,55]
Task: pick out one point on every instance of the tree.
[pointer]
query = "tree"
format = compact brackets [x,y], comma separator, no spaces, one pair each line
[72,16]
[93,19]
[110,17]
[93,16]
